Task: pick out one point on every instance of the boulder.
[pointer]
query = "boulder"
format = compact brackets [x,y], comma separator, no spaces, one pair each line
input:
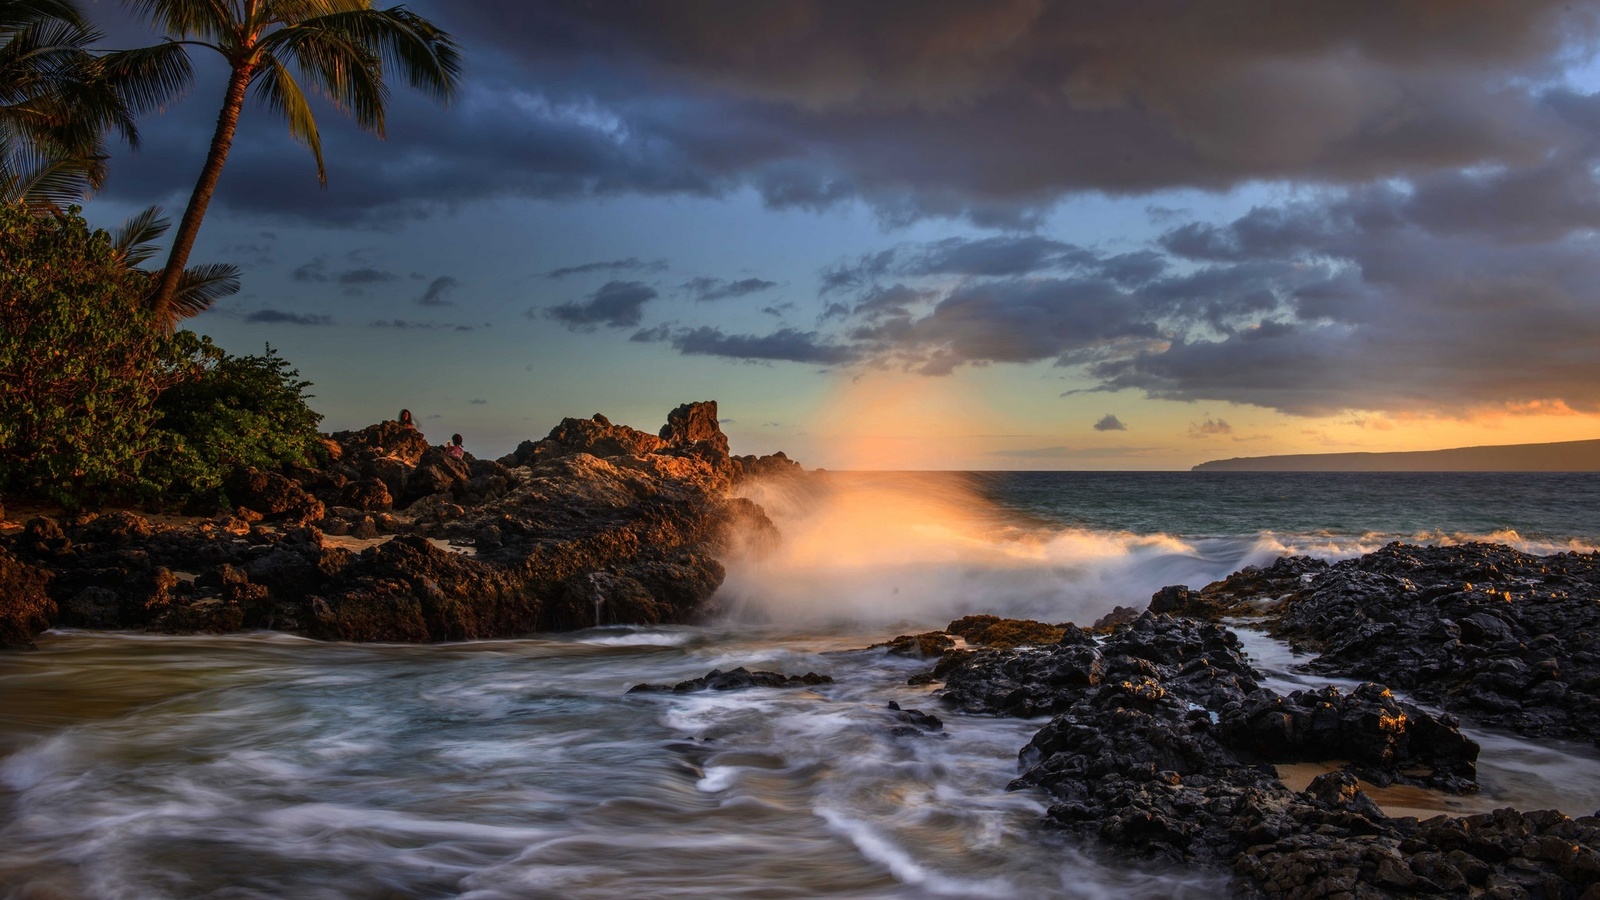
[369,494]
[25,607]
[436,472]
[595,436]
[694,425]
[734,680]
[272,495]
[385,439]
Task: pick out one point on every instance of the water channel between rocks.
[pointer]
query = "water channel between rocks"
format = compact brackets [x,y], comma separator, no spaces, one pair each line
[266,766]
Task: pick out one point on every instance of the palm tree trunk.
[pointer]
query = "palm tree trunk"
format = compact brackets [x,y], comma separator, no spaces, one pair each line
[189,227]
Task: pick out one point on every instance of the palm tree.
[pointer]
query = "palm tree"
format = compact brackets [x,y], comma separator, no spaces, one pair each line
[340,47]
[58,99]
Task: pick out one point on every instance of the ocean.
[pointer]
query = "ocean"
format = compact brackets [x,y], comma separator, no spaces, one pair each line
[264,765]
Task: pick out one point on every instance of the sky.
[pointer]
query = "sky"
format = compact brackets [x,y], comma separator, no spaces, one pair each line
[1100,234]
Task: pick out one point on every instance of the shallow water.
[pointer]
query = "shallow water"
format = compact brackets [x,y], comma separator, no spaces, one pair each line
[263,766]
[1512,770]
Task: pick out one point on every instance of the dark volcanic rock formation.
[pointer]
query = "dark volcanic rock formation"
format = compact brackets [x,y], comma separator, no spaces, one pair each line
[25,608]
[603,525]
[1507,639]
[733,680]
[1161,742]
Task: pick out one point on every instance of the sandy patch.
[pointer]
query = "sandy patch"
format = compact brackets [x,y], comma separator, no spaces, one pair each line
[1397,800]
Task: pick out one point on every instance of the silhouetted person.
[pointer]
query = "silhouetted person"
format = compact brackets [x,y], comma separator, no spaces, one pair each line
[454,448]
[405,419]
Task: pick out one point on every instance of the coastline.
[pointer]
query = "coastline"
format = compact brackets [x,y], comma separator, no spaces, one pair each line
[1153,718]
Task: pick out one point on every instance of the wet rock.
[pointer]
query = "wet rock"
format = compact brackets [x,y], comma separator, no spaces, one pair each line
[914,721]
[994,631]
[1161,743]
[734,680]
[1118,617]
[1500,637]
[928,645]
[1385,740]
[93,607]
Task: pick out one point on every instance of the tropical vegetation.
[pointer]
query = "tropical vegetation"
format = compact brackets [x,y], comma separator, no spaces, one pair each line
[99,404]
[59,99]
[340,49]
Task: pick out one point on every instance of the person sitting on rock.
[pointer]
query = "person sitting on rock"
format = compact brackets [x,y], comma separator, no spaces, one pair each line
[405,419]
[454,448]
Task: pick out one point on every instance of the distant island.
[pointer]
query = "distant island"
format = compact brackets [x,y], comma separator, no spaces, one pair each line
[1563,456]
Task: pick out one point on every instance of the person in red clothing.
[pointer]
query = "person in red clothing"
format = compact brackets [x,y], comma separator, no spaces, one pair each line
[454,448]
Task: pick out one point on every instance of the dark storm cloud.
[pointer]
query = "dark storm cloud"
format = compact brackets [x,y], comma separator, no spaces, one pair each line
[318,271]
[438,292]
[787,345]
[414,325]
[990,111]
[366,275]
[905,101]
[281,317]
[617,304]
[631,264]
[1376,300]
[994,257]
[703,288]
[1012,321]
[1110,423]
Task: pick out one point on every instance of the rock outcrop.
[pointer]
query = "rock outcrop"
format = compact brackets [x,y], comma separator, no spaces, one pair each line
[25,608]
[598,524]
[734,680]
[1507,639]
[1161,744]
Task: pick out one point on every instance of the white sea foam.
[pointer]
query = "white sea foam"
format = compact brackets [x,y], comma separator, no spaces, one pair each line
[922,550]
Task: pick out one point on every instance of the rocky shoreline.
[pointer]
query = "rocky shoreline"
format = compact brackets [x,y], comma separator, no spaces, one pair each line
[395,540]
[1162,742]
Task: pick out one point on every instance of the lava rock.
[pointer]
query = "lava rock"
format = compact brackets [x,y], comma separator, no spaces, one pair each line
[734,680]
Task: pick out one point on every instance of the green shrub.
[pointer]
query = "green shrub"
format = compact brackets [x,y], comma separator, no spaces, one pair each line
[80,363]
[98,403]
[224,412]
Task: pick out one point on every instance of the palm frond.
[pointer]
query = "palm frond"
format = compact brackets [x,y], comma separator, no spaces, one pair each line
[148,78]
[276,87]
[41,181]
[18,14]
[344,71]
[409,45]
[201,286]
[133,238]
[208,19]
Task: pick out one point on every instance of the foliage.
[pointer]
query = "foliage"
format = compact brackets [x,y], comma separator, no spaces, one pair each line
[340,49]
[99,404]
[79,359]
[198,287]
[225,412]
[58,99]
